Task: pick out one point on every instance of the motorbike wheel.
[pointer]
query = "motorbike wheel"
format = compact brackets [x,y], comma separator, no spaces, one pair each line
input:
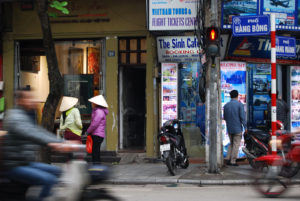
[270,186]
[171,164]
[185,164]
[257,165]
[289,170]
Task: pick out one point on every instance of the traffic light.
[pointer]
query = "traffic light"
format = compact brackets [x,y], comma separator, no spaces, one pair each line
[212,41]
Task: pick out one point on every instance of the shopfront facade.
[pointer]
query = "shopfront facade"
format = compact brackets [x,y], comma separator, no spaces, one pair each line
[181,70]
[102,47]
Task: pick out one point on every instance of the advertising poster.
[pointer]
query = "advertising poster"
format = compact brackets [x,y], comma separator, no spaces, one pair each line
[169,91]
[233,77]
[259,87]
[295,98]
[172,15]
[238,8]
[285,11]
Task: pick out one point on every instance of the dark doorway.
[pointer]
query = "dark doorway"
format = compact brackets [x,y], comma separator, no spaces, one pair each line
[132,107]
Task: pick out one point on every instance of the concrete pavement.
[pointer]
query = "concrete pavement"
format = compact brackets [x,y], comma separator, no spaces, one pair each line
[157,173]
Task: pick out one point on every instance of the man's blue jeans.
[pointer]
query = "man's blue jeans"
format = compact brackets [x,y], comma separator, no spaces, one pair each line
[36,174]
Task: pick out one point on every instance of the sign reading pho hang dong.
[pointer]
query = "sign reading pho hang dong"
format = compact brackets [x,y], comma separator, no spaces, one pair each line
[250,25]
[178,49]
[172,15]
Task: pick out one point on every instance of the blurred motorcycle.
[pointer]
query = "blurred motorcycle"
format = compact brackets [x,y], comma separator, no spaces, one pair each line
[257,144]
[172,146]
[281,167]
[76,182]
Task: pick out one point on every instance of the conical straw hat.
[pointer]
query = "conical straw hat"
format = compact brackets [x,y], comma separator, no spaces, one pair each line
[99,100]
[67,103]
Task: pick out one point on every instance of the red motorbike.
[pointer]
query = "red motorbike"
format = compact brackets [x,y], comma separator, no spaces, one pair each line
[280,168]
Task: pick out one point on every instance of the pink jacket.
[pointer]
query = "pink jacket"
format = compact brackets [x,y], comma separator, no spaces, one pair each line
[98,122]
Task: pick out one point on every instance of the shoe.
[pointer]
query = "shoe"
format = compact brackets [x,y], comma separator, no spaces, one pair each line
[233,164]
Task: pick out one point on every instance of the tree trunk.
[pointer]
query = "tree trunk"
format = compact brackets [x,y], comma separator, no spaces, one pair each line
[55,78]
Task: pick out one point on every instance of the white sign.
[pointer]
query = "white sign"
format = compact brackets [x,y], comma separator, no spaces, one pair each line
[178,49]
[172,15]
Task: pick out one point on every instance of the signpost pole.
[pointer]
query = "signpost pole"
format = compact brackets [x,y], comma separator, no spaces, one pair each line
[273,83]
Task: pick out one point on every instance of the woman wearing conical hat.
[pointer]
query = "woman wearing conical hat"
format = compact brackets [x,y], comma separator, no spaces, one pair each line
[70,120]
[98,125]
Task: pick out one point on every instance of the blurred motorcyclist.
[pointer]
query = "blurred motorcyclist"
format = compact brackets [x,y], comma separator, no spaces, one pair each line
[23,139]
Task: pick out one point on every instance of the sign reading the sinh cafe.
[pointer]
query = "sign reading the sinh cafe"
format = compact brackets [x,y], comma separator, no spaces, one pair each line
[178,49]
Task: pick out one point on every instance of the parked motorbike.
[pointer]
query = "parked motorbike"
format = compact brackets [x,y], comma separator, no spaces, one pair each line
[172,146]
[76,182]
[281,167]
[257,144]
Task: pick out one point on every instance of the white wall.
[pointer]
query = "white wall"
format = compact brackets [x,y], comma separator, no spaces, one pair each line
[38,82]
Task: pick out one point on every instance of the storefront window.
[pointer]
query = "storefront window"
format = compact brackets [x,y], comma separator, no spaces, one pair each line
[191,109]
[80,63]
[132,51]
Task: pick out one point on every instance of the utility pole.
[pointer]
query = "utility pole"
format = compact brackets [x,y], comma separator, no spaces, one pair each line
[213,103]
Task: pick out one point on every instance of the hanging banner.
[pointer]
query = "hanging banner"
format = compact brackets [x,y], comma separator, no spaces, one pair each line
[295,98]
[178,49]
[257,49]
[233,77]
[169,92]
[172,15]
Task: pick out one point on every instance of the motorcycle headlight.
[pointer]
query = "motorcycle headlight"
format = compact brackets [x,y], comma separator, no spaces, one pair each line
[175,126]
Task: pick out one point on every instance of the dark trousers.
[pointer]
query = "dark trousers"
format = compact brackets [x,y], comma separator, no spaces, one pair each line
[36,174]
[97,141]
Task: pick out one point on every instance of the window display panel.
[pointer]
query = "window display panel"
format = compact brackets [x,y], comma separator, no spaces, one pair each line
[233,77]
[259,87]
[191,109]
[80,65]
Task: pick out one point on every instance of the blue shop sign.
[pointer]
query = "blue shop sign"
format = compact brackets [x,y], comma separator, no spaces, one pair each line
[257,49]
[285,46]
[251,25]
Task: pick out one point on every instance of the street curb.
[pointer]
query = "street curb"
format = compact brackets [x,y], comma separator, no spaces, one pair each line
[185,181]
[178,181]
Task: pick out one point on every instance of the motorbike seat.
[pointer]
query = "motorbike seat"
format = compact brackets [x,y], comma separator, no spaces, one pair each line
[261,135]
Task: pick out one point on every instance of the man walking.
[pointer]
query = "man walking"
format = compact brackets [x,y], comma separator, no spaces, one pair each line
[235,117]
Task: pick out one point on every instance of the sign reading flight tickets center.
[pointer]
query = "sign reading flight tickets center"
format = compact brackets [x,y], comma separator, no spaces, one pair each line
[172,15]
[178,49]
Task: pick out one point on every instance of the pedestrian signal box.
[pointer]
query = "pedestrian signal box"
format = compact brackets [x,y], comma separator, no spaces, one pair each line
[212,41]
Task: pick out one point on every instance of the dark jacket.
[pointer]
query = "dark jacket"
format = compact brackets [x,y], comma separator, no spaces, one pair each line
[235,117]
[282,112]
[23,138]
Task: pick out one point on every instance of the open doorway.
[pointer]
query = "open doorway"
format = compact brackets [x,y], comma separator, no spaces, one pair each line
[132,98]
